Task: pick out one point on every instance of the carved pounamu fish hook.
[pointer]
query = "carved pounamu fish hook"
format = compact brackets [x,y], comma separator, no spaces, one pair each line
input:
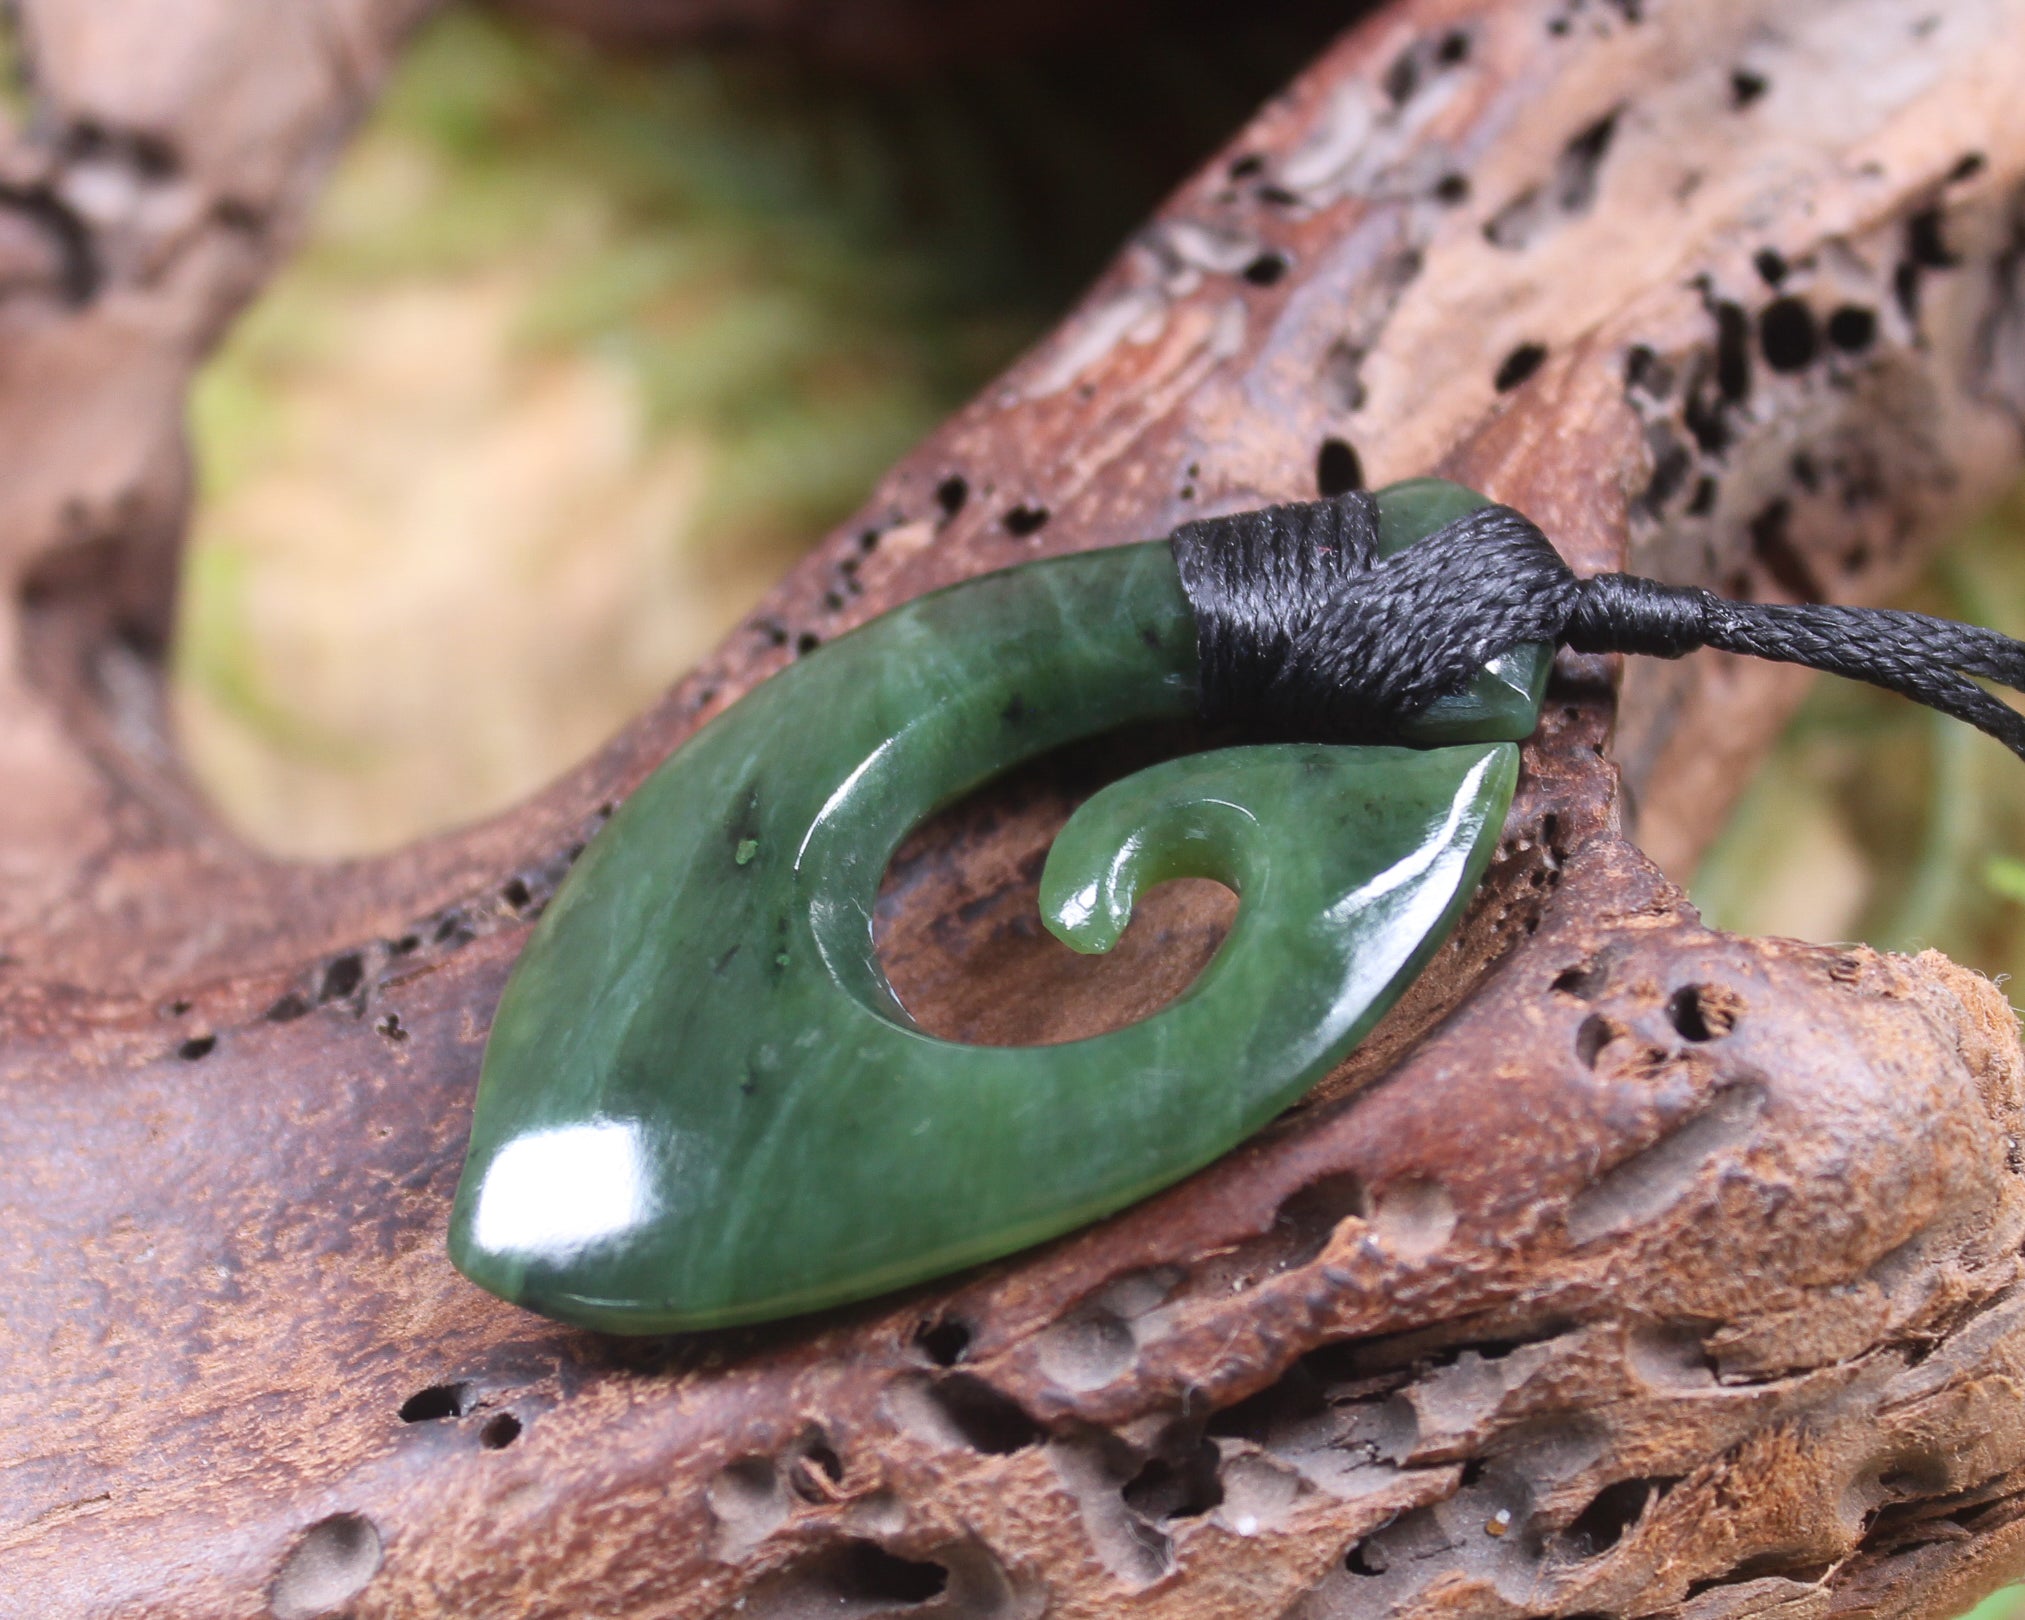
[702,1103]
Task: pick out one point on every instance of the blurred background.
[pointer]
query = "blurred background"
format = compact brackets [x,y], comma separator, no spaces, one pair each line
[1877,820]
[584,348]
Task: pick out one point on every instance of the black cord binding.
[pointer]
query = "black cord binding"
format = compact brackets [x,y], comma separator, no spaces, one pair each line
[1301,629]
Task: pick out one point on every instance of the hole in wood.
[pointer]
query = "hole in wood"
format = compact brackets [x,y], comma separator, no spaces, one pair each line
[865,1572]
[1610,1513]
[1337,468]
[342,977]
[1266,269]
[1517,366]
[1701,1012]
[1583,981]
[327,1568]
[1788,337]
[1595,1033]
[944,1342]
[1026,520]
[1185,1487]
[436,1402]
[499,1431]
[1852,328]
[987,1421]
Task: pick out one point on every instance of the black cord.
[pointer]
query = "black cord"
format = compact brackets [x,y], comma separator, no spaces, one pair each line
[1302,629]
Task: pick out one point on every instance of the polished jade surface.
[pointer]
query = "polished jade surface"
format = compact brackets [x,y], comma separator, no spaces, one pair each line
[701,1102]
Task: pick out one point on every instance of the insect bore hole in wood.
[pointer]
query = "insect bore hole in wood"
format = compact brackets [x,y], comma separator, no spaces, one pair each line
[436,1402]
[1517,366]
[1338,470]
[1025,520]
[499,1431]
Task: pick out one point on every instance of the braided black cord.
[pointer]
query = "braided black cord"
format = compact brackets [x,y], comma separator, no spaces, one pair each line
[1302,629]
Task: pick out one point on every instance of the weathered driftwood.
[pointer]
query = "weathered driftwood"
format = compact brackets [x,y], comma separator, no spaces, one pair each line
[1646,1270]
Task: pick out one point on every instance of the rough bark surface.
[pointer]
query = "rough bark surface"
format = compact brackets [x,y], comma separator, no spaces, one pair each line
[1632,1269]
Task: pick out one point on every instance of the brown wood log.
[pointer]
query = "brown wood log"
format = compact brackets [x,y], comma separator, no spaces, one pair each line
[1632,1269]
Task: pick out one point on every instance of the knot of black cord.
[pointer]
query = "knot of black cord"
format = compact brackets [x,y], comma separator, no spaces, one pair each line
[1302,629]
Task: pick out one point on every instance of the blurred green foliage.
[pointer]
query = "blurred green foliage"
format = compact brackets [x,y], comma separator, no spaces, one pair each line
[751,248]
[818,269]
[1880,821]
[14,98]
[2008,1604]
[582,350]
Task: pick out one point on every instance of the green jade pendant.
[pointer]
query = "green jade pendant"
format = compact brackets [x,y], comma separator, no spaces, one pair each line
[702,1103]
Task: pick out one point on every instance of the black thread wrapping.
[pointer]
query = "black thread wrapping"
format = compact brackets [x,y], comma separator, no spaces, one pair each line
[1303,630]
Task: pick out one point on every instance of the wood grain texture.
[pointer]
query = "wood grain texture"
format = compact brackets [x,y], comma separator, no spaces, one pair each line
[1631,1269]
